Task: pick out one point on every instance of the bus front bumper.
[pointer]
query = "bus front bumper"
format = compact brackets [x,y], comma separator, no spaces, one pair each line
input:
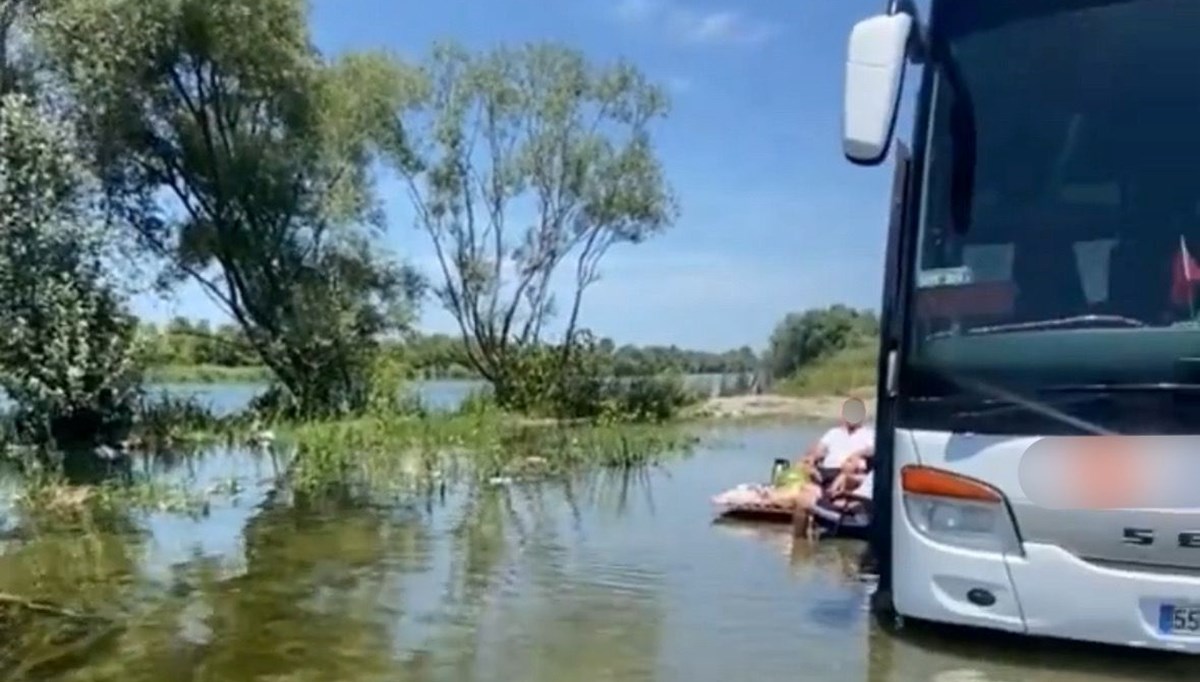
[1062,595]
[1047,592]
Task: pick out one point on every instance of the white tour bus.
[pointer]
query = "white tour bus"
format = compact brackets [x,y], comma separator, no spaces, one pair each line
[1037,290]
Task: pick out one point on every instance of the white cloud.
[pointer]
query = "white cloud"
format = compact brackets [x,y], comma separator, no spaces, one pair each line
[718,27]
[696,26]
[637,10]
[679,84]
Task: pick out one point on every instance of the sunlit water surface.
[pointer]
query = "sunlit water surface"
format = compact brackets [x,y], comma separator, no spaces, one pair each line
[599,578]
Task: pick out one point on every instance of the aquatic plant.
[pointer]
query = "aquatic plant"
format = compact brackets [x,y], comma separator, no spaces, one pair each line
[166,421]
[56,504]
[407,454]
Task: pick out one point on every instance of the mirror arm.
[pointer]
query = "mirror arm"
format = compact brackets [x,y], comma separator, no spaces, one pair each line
[916,41]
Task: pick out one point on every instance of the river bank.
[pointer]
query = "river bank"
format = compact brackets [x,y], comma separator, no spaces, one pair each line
[207,374]
[381,453]
[775,407]
[446,395]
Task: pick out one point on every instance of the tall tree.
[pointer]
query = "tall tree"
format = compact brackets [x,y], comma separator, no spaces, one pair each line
[263,151]
[67,349]
[523,160]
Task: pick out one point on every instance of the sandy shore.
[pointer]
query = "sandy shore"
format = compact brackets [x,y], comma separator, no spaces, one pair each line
[820,408]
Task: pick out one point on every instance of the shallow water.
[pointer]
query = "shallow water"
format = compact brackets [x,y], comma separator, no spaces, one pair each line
[229,398]
[601,578]
[436,395]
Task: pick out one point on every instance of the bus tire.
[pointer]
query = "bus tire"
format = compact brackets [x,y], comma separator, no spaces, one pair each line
[884,611]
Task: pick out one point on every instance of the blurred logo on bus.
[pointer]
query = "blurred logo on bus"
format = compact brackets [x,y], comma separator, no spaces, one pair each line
[1112,472]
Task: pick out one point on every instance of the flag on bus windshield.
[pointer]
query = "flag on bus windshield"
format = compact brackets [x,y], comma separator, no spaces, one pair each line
[1185,274]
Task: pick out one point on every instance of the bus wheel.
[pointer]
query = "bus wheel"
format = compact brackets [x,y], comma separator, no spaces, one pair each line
[884,612]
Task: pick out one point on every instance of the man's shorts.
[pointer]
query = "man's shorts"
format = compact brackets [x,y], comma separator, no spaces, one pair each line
[827,474]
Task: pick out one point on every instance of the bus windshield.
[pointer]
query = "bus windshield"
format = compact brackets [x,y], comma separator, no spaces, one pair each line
[1058,205]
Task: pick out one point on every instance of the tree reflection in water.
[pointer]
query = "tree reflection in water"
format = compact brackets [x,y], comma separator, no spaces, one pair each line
[524,600]
[64,574]
[495,583]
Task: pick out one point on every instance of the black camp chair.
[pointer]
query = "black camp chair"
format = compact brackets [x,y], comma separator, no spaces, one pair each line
[853,518]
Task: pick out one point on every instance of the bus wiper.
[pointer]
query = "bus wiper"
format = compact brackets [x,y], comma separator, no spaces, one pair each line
[1081,394]
[1076,322]
[1109,388]
[1000,407]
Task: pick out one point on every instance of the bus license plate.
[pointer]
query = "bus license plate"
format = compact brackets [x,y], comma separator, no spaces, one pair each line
[1179,620]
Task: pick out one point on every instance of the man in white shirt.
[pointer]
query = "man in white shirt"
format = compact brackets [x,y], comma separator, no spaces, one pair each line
[839,464]
[849,440]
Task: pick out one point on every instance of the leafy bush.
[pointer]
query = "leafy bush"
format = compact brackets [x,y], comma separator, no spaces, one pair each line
[546,381]
[842,373]
[478,402]
[803,338]
[68,348]
[161,421]
[383,386]
[67,363]
[650,399]
[385,394]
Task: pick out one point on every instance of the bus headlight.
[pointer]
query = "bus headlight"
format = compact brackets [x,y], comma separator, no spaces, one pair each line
[955,510]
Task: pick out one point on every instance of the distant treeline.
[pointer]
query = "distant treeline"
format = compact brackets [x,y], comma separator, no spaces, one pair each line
[824,350]
[183,343]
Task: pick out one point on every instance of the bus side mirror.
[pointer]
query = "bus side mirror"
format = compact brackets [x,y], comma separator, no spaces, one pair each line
[874,75]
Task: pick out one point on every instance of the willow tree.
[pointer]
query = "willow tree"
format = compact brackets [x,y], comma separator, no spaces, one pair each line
[242,158]
[523,162]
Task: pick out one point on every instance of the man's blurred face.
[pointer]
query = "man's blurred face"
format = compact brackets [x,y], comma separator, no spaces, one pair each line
[853,413]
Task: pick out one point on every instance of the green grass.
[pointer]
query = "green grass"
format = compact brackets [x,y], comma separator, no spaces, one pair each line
[383,454]
[850,371]
[207,374]
[383,458]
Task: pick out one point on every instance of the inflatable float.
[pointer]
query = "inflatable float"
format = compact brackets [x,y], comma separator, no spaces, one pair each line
[847,515]
[749,501]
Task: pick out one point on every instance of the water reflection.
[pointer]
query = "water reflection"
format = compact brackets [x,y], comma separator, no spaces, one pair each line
[834,561]
[620,576]
[939,654]
[94,561]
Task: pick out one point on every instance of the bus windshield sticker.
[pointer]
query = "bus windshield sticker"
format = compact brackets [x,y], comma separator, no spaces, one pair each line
[945,277]
[984,299]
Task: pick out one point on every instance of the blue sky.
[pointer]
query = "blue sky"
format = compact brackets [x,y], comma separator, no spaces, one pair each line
[773,218]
